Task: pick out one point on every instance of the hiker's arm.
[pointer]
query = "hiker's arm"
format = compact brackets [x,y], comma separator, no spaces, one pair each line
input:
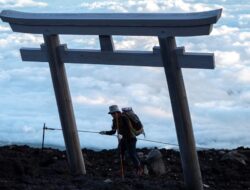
[111,132]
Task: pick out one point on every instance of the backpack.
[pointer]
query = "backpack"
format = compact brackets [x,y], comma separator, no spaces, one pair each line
[136,126]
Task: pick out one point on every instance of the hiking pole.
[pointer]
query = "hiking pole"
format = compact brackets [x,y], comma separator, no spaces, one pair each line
[119,146]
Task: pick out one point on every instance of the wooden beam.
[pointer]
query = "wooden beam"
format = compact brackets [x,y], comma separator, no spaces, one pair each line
[35,54]
[112,19]
[106,43]
[140,24]
[124,58]
[192,60]
[64,104]
[124,31]
[182,118]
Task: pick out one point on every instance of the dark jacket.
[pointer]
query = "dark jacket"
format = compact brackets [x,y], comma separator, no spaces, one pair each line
[122,127]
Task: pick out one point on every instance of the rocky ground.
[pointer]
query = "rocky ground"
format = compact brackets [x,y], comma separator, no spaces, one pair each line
[23,167]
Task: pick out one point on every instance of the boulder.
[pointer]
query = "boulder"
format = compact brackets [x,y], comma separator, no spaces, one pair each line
[235,156]
[155,162]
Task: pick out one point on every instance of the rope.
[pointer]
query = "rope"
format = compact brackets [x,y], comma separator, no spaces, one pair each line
[159,142]
[82,131]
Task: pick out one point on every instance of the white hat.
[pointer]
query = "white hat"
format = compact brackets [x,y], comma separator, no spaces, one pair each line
[113,109]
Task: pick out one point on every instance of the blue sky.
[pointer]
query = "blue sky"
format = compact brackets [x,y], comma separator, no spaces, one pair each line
[219,99]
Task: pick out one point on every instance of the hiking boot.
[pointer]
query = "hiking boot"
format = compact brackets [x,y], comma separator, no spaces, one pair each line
[139,171]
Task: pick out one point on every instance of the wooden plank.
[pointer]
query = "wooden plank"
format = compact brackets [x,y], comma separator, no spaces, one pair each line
[112,19]
[124,58]
[182,118]
[125,31]
[64,104]
[194,60]
[106,43]
[33,54]
[150,24]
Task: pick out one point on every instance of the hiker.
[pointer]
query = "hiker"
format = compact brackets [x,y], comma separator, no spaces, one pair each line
[127,141]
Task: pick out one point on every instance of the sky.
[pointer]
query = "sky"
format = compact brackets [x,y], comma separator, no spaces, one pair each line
[219,99]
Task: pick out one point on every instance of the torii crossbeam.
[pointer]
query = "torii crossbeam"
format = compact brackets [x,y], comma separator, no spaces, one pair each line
[165,26]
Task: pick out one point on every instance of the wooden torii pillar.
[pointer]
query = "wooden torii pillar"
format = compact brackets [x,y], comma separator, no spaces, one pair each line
[165,26]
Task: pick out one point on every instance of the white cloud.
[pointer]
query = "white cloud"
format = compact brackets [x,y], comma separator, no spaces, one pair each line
[157,112]
[224,30]
[244,19]
[136,43]
[227,58]
[28,129]
[21,3]
[148,6]
[244,75]
[4,76]
[241,44]
[126,44]
[92,101]
[109,5]
[245,36]
[246,95]
[221,104]
[248,50]
[21,39]
[152,6]
[4,29]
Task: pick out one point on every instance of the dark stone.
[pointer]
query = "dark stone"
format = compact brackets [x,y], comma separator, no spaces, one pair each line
[23,167]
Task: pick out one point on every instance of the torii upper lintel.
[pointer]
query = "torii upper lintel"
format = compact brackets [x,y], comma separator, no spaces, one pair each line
[138,24]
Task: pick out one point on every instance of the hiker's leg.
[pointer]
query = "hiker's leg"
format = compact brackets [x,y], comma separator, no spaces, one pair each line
[131,145]
[122,149]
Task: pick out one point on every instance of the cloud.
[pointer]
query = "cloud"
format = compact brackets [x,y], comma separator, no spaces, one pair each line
[4,76]
[4,29]
[93,101]
[157,112]
[110,5]
[225,59]
[224,30]
[244,19]
[147,6]
[245,36]
[21,40]
[21,3]
[139,43]
[219,104]
[243,75]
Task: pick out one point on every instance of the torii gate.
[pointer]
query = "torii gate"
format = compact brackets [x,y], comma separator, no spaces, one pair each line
[172,58]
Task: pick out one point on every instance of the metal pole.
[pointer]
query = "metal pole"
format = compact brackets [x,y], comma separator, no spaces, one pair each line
[64,104]
[43,136]
[183,124]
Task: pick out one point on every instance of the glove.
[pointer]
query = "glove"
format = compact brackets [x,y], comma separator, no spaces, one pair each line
[119,137]
[102,132]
